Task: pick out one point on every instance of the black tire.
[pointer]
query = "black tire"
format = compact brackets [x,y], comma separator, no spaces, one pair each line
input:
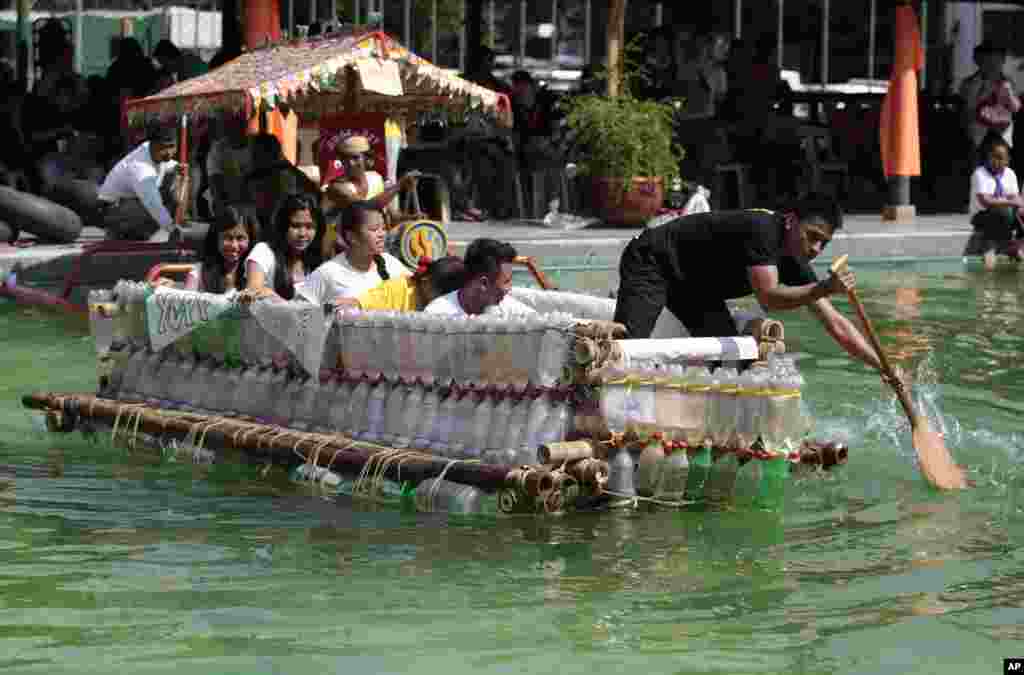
[8,234]
[81,196]
[47,220]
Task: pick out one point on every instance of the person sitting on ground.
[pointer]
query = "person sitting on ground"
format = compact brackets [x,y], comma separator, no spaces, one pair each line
[281,264]
[131,202]
[359,183]
[226,244]
[486,284]
[432,279]
[228,162]
[363,262]
[693,264]
[995,203]
[273,176]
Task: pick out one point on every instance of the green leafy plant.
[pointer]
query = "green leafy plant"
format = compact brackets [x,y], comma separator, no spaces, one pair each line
[624,137]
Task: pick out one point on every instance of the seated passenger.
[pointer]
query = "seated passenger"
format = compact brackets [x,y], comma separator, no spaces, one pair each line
[225,247]
[290,252]
[488,279]
[432,279]
[359,183]
[362,265]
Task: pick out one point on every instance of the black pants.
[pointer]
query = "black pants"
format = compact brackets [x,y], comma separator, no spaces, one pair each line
[646,287]
[998,224]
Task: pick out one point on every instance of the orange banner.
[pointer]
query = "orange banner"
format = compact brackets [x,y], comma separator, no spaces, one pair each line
[900,139]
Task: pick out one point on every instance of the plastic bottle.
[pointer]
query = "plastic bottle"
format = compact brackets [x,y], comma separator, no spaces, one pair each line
[694,405]
[556,426]
[642,416]
[257,399]
[426,419]
[650,466]
[554,353]
[306,403]
[234,381]
[774,475]
[282,386]
[375,411]
[540,408]
[435,494]
[412,412]
[344,320]
[462,430]
[456,335]
[443,430]
[439,339]
[613,400]
[668,402]
[308,473]
[101,322]
[188,389]
[204,383]
[518,421]
[394,415]
[697,476]
[475,347]
[722,476]
[483,416]
[728,408]
[355,417]
[532,345]
[384,353]
[748,482]
[126,376]
[674,476]
[500,420]
[622,473]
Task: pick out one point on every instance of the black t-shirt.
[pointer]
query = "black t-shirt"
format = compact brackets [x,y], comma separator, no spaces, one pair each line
[711,252]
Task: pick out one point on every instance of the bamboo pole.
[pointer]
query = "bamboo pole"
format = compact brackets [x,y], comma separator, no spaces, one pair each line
[279,445]
[616,38]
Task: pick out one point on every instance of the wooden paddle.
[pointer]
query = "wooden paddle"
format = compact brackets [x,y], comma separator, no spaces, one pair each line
[938,467]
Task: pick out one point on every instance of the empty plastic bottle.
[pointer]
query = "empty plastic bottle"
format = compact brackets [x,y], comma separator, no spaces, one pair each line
[435,494]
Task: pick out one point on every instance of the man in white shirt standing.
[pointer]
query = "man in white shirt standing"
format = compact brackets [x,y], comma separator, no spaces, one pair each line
[488,265]
[131,203]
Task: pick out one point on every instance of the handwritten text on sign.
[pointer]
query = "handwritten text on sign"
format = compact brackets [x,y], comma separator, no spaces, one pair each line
[171,314]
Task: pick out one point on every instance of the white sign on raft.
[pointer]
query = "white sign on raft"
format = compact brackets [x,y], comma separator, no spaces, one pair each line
[637,353]
[172,314]
[300,327]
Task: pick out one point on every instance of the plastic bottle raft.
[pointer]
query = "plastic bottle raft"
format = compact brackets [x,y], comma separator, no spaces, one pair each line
[541,413]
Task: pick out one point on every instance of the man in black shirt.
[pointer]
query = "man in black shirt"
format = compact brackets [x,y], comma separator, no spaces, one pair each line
[693,264]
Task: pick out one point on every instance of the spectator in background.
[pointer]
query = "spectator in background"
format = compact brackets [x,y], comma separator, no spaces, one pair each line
[272,177]
[131,75]
[14,151]
[995,203]
[132,203]
[181,65]
[227,164]
[658,70]
[989,101]
[483,73]
[701,77]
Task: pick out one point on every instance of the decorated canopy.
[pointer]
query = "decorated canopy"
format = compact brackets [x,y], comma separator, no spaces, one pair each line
[355,70]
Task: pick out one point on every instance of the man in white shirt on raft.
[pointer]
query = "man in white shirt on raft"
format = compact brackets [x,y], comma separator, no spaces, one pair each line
[131,203]
[488,265]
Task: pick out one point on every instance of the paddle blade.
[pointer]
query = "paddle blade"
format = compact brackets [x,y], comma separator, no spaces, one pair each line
[937,465]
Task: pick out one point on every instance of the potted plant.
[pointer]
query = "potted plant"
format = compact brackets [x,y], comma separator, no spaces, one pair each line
[627,148]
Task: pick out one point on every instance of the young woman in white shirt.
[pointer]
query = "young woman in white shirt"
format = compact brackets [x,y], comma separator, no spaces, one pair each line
[363,263]
[281,263]
[227,243]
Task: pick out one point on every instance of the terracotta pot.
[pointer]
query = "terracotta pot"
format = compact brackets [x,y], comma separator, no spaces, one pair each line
[633,207]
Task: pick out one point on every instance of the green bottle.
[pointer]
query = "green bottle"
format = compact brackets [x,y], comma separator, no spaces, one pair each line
[700,467]
[774,475]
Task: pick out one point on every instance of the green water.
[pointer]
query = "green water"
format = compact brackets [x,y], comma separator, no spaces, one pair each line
[116,561]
